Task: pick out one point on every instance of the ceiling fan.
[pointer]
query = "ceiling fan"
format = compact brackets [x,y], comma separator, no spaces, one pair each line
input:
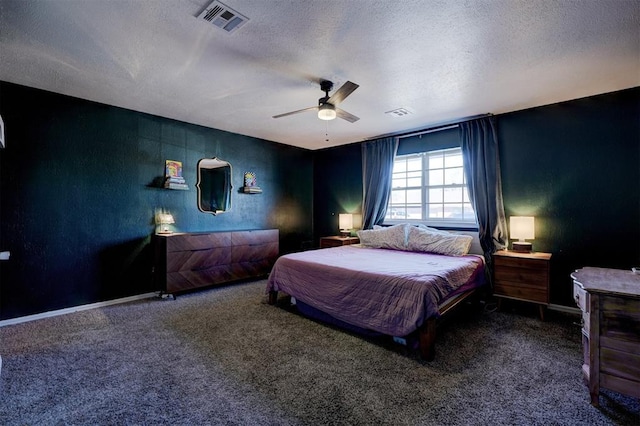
[327,105]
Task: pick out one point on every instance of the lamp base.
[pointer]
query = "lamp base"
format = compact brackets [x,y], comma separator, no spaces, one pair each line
[521,246]
[345,233]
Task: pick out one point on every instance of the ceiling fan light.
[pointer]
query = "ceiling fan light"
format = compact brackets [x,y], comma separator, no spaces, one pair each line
[326,112]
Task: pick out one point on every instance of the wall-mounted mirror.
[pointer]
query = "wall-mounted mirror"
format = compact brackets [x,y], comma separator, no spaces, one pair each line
[214,185]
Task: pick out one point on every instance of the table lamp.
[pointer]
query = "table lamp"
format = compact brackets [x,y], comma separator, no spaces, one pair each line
[522,228]
[345,222]
[164,220]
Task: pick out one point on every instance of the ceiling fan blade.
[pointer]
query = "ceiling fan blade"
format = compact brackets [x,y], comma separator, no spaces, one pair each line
[344,91]
[346,116]
[295,112]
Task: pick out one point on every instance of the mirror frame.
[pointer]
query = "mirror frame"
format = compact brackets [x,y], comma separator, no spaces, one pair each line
[209,164]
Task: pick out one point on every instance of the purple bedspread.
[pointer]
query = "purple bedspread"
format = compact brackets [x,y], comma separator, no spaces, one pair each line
[388,291]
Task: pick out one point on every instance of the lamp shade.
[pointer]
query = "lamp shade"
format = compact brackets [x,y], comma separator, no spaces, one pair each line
[522,227]
[345,221]
[326,112]
[164,219]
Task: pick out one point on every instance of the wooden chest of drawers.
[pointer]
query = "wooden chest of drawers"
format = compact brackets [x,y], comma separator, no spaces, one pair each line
[186,261]
[522,276]
[610,303]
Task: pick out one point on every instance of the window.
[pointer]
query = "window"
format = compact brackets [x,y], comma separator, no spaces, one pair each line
[430,187]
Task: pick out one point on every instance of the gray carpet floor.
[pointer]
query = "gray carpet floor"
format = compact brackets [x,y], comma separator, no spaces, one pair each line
[223,356]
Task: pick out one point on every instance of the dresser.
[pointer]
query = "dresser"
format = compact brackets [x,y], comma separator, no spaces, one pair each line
[522,276]
[610,303]
[185,261]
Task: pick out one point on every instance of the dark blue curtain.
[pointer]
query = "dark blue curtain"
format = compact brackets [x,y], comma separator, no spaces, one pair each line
[377,168]
[479,143]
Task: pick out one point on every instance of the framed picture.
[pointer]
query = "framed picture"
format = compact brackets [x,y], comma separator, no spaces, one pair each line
[251,184]
[173,168]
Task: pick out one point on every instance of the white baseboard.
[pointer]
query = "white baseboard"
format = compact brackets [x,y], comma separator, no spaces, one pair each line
[565,309]
[65,311]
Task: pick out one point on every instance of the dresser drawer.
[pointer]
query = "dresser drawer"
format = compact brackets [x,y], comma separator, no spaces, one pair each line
[581,297]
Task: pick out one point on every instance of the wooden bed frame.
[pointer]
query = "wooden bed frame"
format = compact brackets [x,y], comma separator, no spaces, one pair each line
[427,331]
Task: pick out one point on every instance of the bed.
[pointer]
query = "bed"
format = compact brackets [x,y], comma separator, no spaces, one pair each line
[399,281]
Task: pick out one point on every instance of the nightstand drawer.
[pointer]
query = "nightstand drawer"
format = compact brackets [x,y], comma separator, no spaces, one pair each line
[521,263]
[521,291]
[533,277]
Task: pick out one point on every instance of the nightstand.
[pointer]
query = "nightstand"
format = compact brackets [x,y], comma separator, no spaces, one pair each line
[326,242]
[522,276]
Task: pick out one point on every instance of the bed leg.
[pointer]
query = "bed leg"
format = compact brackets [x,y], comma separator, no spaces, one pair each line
[273,297]
[427,336]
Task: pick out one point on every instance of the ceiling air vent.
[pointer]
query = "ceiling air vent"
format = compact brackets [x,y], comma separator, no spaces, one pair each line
[222,16]
[399,112]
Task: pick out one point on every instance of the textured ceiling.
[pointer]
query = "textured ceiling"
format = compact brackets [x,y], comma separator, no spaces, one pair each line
[441,60]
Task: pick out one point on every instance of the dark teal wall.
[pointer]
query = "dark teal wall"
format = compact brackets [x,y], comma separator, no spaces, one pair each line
[76,204]
[574,165]
[337,187]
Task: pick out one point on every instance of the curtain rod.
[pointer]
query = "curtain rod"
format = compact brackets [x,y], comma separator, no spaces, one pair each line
[452,124]
[431,130]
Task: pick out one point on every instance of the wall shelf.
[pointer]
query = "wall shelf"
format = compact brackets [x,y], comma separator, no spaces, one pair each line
[251,190]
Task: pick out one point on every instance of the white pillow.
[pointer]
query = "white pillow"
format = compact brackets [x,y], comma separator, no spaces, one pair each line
[438,241]
[392,237]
